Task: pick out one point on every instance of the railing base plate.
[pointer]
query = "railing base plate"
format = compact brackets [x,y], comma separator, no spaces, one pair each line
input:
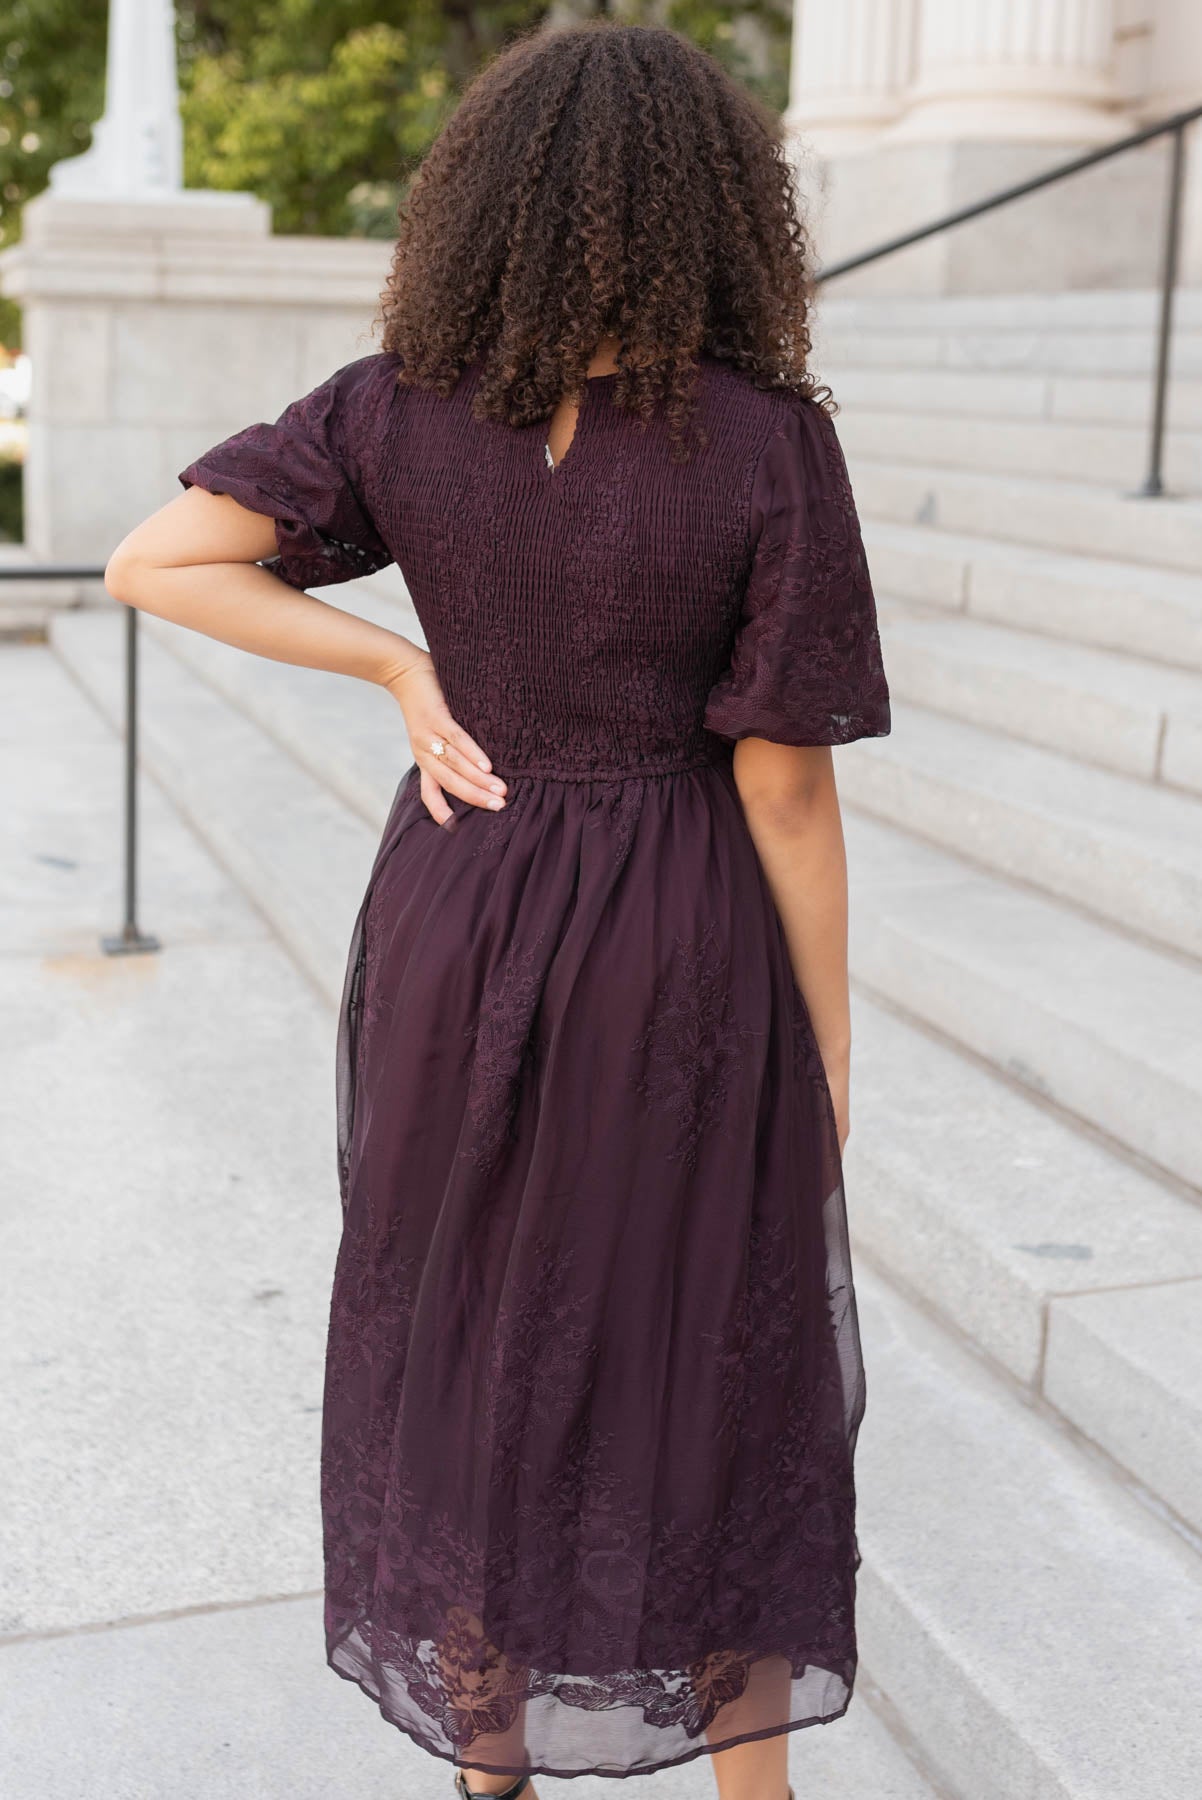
[129,943]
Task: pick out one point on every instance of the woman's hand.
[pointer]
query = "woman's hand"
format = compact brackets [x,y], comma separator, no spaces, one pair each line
[464,770]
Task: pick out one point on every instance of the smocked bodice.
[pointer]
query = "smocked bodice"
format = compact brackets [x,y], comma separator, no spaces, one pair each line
[616,614]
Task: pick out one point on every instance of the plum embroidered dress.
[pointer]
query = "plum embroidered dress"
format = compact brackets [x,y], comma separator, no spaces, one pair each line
[594,1376]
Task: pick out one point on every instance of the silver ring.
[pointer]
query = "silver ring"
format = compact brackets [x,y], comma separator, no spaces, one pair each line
[438,746]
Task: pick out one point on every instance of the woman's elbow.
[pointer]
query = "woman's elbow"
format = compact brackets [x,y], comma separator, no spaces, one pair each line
[785,788]
[124,573]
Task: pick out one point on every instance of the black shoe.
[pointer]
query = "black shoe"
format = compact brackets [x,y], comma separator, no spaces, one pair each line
[509,1793]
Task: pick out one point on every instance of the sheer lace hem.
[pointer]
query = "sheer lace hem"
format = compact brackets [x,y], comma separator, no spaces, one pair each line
[562,1629]
[633,1722]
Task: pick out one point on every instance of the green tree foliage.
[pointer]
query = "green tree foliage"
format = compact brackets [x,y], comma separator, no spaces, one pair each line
[321,106]
[51,90]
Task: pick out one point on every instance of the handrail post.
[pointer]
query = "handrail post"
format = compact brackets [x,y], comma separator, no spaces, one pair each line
[1153,486]
[130,940]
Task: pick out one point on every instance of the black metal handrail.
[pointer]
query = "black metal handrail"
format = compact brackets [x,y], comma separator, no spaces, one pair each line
[1174,127]
[131,939]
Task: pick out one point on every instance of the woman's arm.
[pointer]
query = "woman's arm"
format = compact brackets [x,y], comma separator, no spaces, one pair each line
[792,809]
[196,562]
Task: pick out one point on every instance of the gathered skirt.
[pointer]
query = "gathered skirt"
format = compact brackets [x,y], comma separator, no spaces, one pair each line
[594,1375]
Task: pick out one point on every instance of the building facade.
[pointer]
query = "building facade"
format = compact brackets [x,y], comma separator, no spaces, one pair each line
[902,109]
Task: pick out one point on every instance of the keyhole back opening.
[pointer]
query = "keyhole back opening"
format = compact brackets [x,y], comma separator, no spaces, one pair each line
[561,431]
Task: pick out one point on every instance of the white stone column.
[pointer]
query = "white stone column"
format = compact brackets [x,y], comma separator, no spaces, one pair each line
[851,64]
[137,147]
[1014,71]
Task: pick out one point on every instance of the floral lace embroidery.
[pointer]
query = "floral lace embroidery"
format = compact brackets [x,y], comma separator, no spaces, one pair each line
[692,1050]
[790,1528]
[761,1341]
[503,1049]
[807,1058]
[467,1687]
[325,531]
[806,664]
[374,1287]
[500,825]
[542,1355]
[618,816]
[625,813]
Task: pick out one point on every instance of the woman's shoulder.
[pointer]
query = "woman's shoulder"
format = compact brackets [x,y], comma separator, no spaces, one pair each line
[794,459]
[365,377]
[356,406]
[769,408]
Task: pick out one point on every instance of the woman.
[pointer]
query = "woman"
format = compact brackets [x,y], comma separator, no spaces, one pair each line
[594,1376]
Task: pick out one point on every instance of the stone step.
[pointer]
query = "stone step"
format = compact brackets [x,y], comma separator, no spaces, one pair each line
[1126,1367]
[1036,1242]
[1120,311]
[1120,712]
[1109,456]
[1099,336]
[1084,1016]
[289,842]
[1095,354]
[1128,851]
[1039,1630]
[1111,605]
[1069,516]
[1004,394]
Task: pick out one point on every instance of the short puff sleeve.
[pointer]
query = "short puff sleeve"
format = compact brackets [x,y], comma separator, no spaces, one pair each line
[305,473]
[805,666]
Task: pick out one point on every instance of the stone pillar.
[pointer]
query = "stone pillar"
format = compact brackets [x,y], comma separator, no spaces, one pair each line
[999,90]
[137,147]
[157,327]
[851,64]
[1014,71]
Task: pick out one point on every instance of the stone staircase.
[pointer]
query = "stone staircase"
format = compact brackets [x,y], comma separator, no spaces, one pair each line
[1026,1165]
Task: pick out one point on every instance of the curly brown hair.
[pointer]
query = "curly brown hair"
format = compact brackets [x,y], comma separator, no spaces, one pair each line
[601,180]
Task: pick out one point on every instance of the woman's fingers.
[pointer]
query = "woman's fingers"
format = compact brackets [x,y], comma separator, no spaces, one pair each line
[452,773]
[468,748]
[432,798]
[458,770]
[453,780]
[489,786]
